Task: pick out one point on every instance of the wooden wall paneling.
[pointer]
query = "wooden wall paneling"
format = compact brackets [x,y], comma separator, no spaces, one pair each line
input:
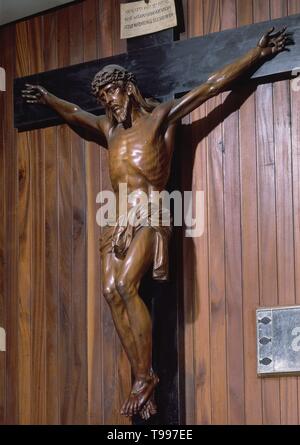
[233,248]
[2,247]
[267,216]
[94,299]
[79,375]
[201,313]
[65,242]
[284,217]
[216,241]
[11,241]
[51,238]
[293,8]
[250,272]
[64,363]
[25,241]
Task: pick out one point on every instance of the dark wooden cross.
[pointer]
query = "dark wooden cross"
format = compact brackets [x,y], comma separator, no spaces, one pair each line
[163,68]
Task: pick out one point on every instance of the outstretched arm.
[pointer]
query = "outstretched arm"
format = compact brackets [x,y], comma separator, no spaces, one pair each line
[268,45]
[71,113]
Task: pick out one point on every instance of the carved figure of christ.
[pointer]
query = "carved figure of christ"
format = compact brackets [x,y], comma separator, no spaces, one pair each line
[139,135]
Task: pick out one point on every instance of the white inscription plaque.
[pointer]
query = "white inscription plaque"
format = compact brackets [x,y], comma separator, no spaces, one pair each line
[139,18]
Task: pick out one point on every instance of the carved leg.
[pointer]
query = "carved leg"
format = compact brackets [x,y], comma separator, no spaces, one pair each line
[138,259]
[110,268]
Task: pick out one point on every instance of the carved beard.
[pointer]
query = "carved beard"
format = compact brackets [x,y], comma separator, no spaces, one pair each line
[123,114]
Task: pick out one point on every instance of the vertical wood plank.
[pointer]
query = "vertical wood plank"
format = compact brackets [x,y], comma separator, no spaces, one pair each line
[250,273]
[65,240]
[284,217]
[79,372]
[37,148]
[188,280]
[233,248]
[267,216]
[216,260]
[198,362]
[94,300]
[51,237]
[119,46]
[25,240]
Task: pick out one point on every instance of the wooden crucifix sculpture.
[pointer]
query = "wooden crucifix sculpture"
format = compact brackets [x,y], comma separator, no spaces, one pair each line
[139,135]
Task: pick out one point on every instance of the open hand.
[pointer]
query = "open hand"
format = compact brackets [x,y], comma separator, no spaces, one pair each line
[272,44]
[34,94]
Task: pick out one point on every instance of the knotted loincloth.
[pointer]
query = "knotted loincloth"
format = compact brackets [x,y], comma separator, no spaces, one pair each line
[117,239]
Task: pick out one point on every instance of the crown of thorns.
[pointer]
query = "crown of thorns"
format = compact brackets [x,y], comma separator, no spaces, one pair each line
[111,73]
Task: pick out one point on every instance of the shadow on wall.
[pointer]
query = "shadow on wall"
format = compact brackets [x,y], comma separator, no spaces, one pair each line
[195,133]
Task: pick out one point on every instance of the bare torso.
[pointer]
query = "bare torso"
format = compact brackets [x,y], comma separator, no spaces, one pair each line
[140,156]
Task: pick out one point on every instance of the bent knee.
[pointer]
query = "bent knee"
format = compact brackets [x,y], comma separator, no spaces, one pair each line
[126,288]
[110,294]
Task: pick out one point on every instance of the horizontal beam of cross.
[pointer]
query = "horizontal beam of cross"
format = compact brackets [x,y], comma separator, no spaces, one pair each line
[161,70]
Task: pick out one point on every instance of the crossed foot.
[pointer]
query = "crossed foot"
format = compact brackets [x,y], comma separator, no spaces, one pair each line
[141,398]
[149,409]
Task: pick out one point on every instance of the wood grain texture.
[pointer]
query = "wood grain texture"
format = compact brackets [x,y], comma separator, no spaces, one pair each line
[51,239]
[249,231]
[267,216]
[38,307]
[65,242]
[94,300]
[216,255]
[188,283]
[233,248]
[64,363]
[79,371]
[24,242]
[199,312]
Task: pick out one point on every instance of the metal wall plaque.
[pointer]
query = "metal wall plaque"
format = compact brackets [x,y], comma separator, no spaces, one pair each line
[278,340]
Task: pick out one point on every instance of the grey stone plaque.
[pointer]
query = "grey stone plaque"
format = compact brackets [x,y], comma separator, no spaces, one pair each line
[278,340]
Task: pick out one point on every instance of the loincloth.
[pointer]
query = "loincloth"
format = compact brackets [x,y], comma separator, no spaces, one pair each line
[118,238]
